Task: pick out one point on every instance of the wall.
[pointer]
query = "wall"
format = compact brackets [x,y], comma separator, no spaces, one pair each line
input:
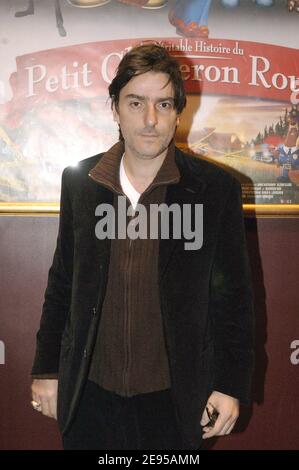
[27,245]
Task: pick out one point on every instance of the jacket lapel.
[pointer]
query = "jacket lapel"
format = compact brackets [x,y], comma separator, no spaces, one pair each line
[187,191]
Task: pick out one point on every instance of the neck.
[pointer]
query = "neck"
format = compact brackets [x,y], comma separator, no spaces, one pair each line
[142,170]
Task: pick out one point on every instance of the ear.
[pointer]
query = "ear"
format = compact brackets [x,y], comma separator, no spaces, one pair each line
[115,114]
[177,120]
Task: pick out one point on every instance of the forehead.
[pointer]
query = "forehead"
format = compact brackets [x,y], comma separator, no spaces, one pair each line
[149,84]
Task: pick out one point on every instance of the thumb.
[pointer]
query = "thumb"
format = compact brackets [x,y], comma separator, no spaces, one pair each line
[204,418]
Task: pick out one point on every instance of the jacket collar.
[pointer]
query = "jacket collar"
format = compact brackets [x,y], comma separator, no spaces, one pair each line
[106,171]
[191,179]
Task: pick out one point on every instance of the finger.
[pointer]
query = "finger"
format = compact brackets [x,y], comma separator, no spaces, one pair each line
[35,397]
[213,431]
[222,424]
[226,427]
[209,432]
[53,408]
[231,427]
[35,405]
[36,402]
[205,418]
[45,407]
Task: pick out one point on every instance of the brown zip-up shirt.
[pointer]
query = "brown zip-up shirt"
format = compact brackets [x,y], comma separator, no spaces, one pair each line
[130,352]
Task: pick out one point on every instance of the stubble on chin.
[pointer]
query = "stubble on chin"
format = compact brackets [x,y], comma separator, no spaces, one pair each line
[148,154]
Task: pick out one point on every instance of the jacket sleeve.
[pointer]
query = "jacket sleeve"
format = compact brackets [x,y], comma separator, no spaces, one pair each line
[58,292]
[232,303]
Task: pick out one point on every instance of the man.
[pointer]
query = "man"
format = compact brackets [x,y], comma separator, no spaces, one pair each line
[151,340]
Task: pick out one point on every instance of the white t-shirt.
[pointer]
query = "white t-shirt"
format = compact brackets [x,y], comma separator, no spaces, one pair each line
[127,186]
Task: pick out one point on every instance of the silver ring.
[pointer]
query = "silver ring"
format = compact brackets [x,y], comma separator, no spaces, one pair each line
[35,405]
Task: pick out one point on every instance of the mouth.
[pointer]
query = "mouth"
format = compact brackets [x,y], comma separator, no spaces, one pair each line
[149,135]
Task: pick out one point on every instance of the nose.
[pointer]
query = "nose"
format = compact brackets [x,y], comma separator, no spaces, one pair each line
[150,115]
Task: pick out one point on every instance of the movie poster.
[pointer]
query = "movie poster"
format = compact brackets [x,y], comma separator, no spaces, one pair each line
[239,60]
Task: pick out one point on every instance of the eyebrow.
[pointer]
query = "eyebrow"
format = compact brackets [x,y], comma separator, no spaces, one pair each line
[144,98]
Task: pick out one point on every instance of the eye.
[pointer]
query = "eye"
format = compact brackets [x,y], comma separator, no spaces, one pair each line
[135,104]
[165,105]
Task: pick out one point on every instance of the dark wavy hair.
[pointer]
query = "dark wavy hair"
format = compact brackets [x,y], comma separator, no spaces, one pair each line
[148,58]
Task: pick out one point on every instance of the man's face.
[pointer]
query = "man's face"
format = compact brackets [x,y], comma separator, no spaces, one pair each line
[146,115]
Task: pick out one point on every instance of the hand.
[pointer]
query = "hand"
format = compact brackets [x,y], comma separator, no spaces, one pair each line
[224,421]
[44,394]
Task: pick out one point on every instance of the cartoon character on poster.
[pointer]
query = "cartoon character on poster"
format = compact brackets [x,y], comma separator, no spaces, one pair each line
[235,3]
[58,15]
[190,18]
[293,5]
[287,154]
